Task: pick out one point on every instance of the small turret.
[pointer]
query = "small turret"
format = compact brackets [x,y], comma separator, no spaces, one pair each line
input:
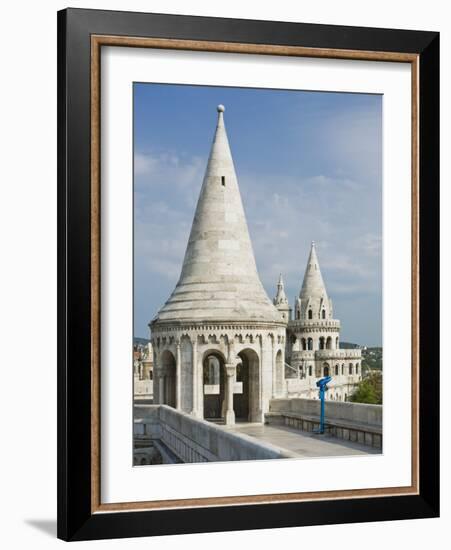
[313,302]
[281,301]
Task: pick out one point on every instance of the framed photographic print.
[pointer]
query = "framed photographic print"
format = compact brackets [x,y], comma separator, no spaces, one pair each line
[248,274]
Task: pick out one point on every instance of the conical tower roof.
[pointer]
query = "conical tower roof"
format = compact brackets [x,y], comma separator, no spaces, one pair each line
[219,279]
[313,285]
[313,300]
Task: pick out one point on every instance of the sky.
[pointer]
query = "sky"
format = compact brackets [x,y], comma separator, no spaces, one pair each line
[309,167]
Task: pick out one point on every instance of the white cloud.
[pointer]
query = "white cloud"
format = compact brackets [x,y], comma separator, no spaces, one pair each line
[167,168]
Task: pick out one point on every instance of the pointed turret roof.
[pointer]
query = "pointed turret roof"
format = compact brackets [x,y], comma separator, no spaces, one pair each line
[219,279]
[313,285]
[281,297]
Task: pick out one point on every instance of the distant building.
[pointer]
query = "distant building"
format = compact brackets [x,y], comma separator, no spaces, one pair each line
[143,371]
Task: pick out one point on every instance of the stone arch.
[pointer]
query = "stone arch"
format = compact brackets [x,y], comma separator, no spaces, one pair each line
[214,349]
[212,371]
[167,378]
[322,341]
[350,368]
[326,369]
[213,363]
[310,314]
[336,370]
[329,342]
[323,314]
[310,343]
[304,344]
[247,404]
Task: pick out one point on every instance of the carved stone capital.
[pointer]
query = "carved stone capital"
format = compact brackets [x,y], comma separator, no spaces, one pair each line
[158,369]
[230,369]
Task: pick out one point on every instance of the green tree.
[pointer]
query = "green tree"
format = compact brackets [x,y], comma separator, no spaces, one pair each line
[369,390]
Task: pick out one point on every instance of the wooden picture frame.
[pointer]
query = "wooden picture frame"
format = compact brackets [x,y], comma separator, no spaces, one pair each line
[81,35]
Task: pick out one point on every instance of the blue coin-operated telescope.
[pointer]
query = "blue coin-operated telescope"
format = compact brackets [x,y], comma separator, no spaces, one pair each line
[322,386]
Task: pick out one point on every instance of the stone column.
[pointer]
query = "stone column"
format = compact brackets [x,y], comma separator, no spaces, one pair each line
[230,369]
[194,411]
[178,378]
[161,388]
[273,365]
[267,363]
[156,376]
[200,388]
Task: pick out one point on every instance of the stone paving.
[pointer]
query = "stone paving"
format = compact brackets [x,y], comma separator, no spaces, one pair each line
[305,444]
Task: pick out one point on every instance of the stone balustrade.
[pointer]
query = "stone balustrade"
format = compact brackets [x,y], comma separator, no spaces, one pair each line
[308,324]
[335,354]
[193,440]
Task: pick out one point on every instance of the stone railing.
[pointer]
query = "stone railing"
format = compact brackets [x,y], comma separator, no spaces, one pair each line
[310,324]
[303,355]
[338,354]
[195,440]
[334,355]
[355,422]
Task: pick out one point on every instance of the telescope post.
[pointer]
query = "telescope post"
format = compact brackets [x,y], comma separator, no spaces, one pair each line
[321,419]
[322,387]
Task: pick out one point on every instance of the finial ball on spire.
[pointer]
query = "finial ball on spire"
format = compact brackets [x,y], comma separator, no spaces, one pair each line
[220,108]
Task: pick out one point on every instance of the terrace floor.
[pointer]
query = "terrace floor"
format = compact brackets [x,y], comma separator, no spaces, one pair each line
[304,444]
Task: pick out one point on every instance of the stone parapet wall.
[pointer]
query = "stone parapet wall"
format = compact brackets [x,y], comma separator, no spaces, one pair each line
[364,435]
[142,389]
[360,413]
[306,388]
[356,422]
[195,440]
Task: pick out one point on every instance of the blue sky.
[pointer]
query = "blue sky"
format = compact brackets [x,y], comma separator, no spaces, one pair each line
[309,166]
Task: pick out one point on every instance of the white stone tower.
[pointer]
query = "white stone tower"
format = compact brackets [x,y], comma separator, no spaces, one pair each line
[313,339]
[314,309]
[218,323]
